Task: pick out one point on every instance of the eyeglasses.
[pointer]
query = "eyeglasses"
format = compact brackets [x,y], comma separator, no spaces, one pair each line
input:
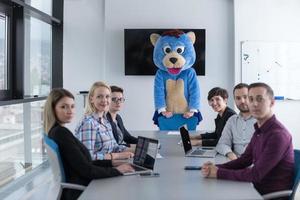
[116,99]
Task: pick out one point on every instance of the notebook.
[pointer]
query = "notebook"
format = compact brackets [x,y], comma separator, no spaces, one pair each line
[144,155]
[205,152]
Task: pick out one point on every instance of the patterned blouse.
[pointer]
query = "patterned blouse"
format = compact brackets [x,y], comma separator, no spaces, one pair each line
[96,134]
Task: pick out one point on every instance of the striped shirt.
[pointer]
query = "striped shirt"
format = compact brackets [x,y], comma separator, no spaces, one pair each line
[96,134]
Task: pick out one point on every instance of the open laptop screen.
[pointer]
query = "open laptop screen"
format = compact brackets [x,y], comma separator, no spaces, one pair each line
[185,137]
[145,152]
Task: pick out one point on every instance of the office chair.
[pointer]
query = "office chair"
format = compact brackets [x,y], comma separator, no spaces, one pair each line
[176,121]
[295,192]
[57,167]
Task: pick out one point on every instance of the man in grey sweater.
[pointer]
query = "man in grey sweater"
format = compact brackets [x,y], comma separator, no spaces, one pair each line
[239,128]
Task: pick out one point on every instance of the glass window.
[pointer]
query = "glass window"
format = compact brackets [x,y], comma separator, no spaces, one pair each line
[42,5]
[21,139]
[26,69]
[37,130]
[38,57]
[3,52]
[11,142]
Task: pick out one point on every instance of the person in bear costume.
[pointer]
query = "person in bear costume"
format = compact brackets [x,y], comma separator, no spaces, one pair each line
[176,88]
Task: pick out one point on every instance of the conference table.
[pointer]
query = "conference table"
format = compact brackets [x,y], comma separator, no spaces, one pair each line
[174,182]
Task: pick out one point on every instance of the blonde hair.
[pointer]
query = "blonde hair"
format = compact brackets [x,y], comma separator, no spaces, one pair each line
[90,108]
[49,109]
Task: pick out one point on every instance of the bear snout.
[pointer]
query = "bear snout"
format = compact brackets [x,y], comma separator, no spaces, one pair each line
[173,60]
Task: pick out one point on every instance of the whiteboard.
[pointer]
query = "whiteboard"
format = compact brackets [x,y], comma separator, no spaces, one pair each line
[275,63]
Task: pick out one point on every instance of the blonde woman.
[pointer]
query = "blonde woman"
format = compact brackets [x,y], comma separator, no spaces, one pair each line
[94,130]
[78,165]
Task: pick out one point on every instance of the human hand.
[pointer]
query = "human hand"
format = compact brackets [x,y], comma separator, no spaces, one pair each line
[231,156]
[122,155]
[188,114]
[196,142]
[131,148]
[205,170]
[209,170]
[213,171]
[194,137]
[116,163]
[167,114]
[125,168]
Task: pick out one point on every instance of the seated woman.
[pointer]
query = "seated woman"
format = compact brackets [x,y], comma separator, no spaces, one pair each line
[121,134]
[217,99]
[78,165]
[94,130]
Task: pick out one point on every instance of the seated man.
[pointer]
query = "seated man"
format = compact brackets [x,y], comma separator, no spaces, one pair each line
[239,128]
[121,134]
[268,161]
[217,99]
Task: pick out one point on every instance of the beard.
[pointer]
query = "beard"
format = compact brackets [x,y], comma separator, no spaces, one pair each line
[243,108]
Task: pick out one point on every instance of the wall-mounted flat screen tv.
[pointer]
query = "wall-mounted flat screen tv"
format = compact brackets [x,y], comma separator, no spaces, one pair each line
[139,51]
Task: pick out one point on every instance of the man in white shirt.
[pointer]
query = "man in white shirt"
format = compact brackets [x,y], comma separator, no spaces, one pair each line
[239,128]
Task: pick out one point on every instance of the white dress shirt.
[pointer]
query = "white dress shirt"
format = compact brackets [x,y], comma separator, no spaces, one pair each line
[236,134]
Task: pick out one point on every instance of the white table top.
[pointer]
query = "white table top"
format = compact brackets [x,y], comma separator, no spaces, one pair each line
[174,182]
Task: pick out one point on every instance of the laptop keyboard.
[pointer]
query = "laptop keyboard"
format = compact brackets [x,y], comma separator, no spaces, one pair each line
[198,152]
[137,168]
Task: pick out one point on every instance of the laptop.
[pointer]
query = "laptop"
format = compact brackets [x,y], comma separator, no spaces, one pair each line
[144,156]
[204,152]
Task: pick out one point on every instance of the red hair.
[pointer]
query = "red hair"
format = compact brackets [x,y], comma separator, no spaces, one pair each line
[175,33]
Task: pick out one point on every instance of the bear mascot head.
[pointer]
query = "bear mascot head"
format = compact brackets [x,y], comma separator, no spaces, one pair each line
[173,51]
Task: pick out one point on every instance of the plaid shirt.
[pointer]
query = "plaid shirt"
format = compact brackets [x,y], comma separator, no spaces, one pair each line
[96,134]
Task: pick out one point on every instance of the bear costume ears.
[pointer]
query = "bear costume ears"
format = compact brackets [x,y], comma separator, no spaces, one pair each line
[154,37]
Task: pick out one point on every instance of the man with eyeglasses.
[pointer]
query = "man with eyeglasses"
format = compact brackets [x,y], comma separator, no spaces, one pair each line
[268,161]
[120,133]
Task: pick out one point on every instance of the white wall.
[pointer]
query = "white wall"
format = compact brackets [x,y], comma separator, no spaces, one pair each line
[276,21]
[93,48]
[83,54]
[216,16]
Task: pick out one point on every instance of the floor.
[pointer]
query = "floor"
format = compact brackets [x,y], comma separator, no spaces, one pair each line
[35,185]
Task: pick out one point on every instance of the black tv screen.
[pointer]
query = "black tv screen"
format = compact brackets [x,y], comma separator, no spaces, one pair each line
[139,51]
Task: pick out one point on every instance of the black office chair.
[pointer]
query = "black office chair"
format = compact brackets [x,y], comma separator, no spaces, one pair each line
[295,192]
